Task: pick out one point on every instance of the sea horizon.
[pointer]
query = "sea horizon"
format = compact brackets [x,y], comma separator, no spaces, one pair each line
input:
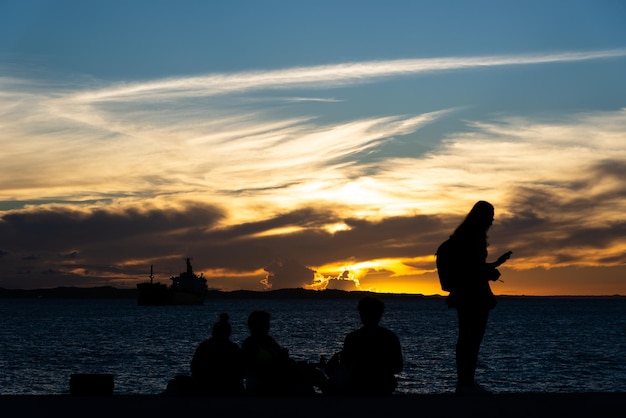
[113,292]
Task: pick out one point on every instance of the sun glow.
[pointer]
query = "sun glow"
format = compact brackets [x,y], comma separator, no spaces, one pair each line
[402,275]
[337,227]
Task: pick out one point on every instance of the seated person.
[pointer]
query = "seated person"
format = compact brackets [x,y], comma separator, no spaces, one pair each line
[268,368]
[371,356]
[217,365]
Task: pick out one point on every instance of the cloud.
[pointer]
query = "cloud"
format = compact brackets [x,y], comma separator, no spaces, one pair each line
[558,157]
[557,187]
[173,143]
[59,226]
[310,99]
[364,256]
[95,152]
[99,243]
[100,182]
[286,273]
[342,284]
[564,229]
[321,76]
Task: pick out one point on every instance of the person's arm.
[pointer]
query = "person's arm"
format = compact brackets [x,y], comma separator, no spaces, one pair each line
[492,272]
[501,260]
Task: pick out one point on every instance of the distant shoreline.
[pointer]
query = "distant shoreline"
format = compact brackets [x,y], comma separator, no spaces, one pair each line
[109,292]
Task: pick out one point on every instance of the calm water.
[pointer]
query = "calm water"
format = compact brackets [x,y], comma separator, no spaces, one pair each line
[532,344]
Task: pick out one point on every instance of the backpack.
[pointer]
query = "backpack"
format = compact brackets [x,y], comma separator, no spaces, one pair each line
[449,268]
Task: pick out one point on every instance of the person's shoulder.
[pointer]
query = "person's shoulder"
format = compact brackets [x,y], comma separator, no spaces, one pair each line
[368,333]
[353,336]
[205,343]
[234,346]
[269,340]
[356,333]
[387,333]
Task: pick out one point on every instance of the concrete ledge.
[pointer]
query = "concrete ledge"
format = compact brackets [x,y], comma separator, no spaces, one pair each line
[88,384]
[146,406]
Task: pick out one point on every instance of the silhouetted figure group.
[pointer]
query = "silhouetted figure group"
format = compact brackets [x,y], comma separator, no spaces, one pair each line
[371,356]
[367,364]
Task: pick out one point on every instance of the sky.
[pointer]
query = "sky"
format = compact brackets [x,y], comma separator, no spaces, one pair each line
[318,144]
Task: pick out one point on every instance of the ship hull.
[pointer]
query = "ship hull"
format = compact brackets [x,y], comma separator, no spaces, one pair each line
[153,294]
[157,294]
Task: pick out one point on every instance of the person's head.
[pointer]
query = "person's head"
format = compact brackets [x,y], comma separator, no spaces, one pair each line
[371,310]
[478,220]
[222,328]
[259,323]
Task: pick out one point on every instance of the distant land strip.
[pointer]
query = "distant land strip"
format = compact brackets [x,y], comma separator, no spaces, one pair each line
[109,292]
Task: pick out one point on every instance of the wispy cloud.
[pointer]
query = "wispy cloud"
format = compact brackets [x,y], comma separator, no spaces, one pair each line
[121,150]
[334,75]
[311,99]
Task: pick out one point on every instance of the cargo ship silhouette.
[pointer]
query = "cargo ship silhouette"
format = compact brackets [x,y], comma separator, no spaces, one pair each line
[186,289]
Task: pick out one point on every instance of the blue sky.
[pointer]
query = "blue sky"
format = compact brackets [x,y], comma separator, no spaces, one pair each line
[145,39]
[231,130]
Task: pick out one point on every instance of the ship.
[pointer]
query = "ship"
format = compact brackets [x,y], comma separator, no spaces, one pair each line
[186,289]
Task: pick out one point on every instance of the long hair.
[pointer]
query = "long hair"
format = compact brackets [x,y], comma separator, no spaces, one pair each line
[476,223]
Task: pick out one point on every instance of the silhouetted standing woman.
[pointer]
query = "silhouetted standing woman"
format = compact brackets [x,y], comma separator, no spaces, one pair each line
[472,296]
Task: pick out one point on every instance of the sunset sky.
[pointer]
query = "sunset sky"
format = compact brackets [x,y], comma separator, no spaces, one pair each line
[311,144]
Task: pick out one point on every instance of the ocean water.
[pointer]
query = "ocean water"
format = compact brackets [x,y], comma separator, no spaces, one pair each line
[531,345]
